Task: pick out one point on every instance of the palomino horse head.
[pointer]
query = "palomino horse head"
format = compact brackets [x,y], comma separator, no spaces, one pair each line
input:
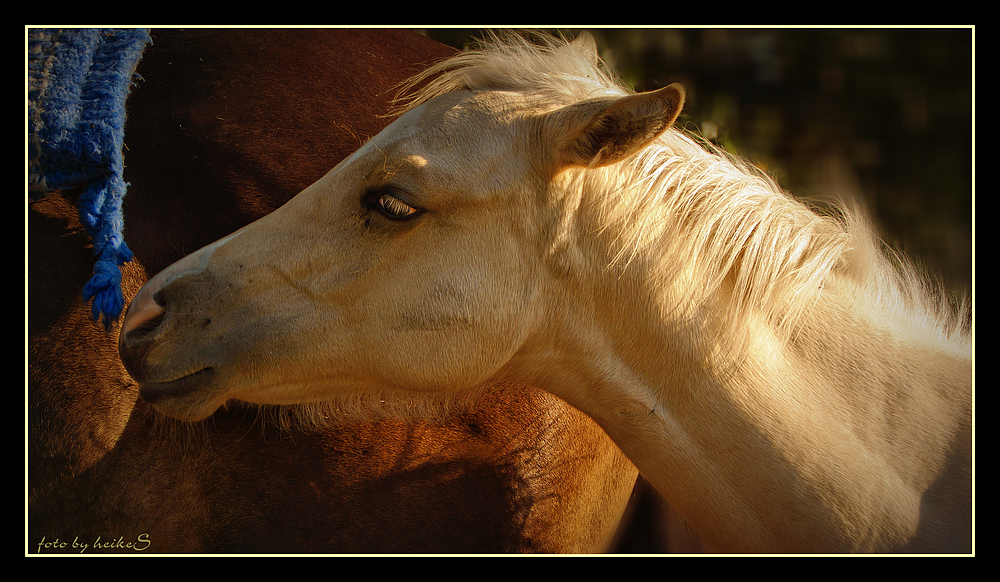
[412,265]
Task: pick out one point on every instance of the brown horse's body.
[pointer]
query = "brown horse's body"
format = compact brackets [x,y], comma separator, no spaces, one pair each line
[224,128]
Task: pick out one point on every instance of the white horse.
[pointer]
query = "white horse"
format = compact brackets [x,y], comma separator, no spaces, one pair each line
[778,380]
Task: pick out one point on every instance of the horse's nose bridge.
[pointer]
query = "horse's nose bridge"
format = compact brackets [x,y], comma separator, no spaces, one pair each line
[169,290]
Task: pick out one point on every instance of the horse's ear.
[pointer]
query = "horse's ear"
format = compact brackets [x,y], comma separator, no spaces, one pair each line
[585,43]
[601,132]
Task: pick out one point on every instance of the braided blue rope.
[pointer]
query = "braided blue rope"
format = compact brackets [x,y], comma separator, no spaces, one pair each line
[78,80]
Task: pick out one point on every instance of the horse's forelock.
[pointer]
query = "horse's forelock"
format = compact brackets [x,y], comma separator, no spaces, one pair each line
[550,68]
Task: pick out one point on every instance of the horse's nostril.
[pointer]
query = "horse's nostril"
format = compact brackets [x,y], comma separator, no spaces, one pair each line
[145,329]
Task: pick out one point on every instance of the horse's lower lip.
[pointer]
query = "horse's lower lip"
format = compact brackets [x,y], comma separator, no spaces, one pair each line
[154,392]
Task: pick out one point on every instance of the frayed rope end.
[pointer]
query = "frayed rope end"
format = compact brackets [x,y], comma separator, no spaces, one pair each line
[105,227]
[105,289]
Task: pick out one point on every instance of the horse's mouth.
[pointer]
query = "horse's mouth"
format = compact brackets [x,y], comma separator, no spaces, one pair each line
[187,387]
[189,398]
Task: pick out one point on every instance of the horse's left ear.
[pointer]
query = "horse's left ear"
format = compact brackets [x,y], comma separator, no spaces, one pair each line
[601,132]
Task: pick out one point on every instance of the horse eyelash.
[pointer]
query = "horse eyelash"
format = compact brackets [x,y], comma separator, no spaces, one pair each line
[375,199]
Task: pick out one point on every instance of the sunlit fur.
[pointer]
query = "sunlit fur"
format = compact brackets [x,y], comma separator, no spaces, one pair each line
[693,213]
[785,383]
[370,406]
[739,267]
[691,216]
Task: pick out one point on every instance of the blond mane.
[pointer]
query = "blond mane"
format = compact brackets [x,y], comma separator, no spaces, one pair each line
[683,210]
[705,214]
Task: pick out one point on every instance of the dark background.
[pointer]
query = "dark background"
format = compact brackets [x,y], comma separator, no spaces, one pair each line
[883,113]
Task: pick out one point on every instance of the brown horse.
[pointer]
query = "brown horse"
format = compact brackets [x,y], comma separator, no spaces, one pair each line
[225,126]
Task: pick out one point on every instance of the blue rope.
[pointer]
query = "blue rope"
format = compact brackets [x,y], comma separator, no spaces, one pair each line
[78,80]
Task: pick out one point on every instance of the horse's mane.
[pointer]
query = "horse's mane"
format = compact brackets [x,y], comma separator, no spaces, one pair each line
[687,211]
[506,61]
[710,216]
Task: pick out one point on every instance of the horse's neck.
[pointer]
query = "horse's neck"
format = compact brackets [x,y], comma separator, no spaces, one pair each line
[826,441]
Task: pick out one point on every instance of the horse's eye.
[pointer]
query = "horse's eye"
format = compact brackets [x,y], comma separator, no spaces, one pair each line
[392,207]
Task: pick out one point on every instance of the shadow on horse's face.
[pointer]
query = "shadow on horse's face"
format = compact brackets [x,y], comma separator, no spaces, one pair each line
[408,266]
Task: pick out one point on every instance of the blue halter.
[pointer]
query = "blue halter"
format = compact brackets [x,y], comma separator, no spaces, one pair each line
[78,80]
